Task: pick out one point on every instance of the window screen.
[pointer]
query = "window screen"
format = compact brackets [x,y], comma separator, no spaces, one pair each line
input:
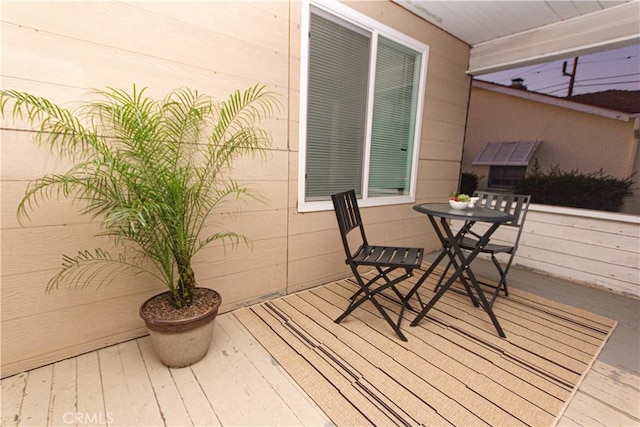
[394,118]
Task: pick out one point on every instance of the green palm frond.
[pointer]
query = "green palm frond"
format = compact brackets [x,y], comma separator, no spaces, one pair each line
[58,128]
[95,269]
[152,171]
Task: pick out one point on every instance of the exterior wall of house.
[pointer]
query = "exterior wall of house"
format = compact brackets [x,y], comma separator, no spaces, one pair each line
[60,50]
[570,139]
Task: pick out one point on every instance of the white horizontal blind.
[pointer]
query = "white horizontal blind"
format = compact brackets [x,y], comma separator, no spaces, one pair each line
[336,110]
[394,117]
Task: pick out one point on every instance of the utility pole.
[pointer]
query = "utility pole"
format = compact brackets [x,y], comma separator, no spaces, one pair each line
[572,74]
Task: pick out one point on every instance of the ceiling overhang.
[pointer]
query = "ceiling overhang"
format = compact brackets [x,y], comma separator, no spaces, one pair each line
[607,29]
[506,35]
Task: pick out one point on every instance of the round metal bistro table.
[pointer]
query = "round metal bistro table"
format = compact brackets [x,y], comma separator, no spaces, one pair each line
[439,215]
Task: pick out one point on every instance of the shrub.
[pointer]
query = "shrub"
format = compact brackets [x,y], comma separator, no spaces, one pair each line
[574,189]
[468,183]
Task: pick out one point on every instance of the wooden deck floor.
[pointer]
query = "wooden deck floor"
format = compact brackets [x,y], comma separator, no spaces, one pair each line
[238,383]
[608,396]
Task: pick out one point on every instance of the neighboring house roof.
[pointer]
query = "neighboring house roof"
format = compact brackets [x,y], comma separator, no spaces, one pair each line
[627,101]
[552,100]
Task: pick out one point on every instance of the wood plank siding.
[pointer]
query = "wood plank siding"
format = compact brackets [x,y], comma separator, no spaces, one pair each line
[596,248]
[60,50]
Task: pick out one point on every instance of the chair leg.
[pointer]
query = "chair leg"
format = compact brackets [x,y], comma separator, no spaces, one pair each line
[401,298]
[383,274]
[370,295]
[396,327]
[502,284]
[355,303]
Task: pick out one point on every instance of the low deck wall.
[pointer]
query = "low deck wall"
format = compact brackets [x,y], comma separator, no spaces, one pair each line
[592,247]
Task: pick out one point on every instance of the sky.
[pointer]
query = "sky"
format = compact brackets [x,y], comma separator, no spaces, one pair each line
[614,69]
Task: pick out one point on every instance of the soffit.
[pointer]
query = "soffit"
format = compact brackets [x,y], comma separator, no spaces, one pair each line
[508,34]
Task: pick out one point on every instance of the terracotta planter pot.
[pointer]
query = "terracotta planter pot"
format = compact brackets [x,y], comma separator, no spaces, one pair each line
[183,342]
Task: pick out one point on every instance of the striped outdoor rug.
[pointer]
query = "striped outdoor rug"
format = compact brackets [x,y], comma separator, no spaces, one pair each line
[454,370]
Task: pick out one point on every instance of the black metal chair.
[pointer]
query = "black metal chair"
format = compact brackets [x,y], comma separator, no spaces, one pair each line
[384,259]
[516,205]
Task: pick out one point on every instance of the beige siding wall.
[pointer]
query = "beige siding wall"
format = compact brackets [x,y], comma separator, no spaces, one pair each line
[62,49]
[571,139]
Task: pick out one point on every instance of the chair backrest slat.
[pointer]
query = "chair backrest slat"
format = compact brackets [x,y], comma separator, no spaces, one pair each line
[514,204]
[348,215]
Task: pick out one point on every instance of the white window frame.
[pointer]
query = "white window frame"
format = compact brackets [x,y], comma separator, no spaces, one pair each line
[375,28]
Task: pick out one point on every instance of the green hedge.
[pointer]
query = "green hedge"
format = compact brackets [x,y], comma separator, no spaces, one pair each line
[574,189]
[468,183]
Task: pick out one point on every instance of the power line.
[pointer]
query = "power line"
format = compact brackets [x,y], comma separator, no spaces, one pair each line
[532,70]
[554,67]
[547,77]
[588,80]
[597,84]
[610,77]
[595,61]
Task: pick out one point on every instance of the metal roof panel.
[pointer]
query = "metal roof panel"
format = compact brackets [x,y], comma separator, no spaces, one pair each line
[509,153]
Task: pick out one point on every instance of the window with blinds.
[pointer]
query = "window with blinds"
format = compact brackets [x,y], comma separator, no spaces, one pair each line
[337,107]
[394,119]
[360,125]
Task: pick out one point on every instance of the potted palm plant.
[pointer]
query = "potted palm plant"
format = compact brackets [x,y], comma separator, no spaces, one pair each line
[152,172]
